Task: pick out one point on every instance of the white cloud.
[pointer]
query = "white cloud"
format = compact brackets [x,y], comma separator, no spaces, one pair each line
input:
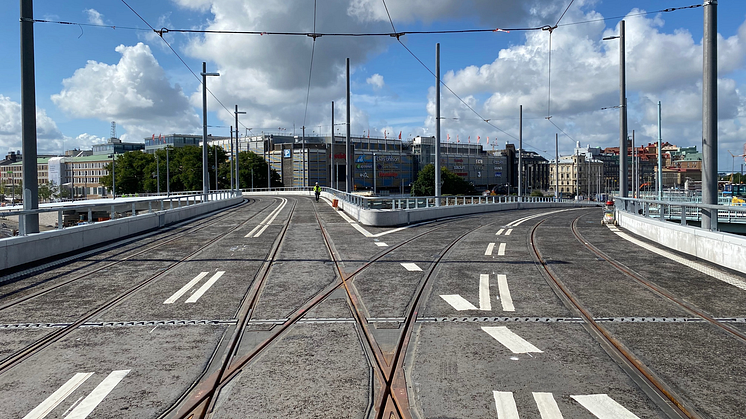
[662,64]
[134,92]
[376,81]
[47,133]
[94,17]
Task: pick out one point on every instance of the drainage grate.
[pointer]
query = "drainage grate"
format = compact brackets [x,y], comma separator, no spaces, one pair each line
[151,323]
[576,319]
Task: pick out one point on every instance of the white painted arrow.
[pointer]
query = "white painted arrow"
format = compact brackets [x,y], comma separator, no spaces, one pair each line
[460,303]
[510,340]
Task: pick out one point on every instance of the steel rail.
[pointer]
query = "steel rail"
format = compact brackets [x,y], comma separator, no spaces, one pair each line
[659,392]
[51,338]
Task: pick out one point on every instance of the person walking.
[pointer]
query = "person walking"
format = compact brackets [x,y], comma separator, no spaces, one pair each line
[317,191]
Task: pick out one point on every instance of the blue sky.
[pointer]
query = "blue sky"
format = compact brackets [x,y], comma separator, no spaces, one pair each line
[88,76]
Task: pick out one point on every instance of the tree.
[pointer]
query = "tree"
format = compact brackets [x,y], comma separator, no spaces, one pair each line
[536,192]
[452,184]
[250,163]
[47,190]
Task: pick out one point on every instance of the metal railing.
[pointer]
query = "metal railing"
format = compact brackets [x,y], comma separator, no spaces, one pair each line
[116,208]
[682,211]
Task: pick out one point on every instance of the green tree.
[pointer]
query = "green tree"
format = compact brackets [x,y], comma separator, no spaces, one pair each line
[536,192]
[46,191]
[250,163]
[452,184]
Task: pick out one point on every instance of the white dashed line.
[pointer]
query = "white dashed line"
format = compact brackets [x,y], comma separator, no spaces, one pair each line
[500,231]
[507,233]
[97,395]
[381,244]
[206,286]
[490,248]
[43,409]
[604,407]
[484,292]
[548,408]
[412,267]
[505,298]
[458,302]
[501,250]
[505,405]
[510,340]
[172,299]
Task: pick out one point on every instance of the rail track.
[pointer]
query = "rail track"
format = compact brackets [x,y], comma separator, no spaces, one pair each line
[49,339]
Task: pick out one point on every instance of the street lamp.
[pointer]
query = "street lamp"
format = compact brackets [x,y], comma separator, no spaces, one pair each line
[622,113]
[168,179]
[205,181]
[374,173]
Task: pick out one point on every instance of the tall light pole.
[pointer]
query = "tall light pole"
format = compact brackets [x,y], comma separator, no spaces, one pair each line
[710,116]
[622,113]
[520,151]
[348,147]
[28,223]
[374,173]
[238,146]
[331,154]
[113,178]
[205,176]
[168,179]
[437,123]
[556,166]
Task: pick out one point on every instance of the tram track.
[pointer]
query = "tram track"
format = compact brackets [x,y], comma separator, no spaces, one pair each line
[202,398]
[671,403]
[55,336]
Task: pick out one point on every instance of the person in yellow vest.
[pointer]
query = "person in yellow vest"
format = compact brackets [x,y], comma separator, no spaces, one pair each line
[317,191]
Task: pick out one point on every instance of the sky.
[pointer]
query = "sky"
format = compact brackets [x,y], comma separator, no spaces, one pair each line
[111,66]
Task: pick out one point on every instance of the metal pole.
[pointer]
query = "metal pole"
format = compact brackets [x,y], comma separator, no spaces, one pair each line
[622,115]
[348,148]
[238,148]
[215,153]
[374,173]
[304,179]
[437,123]
[205,175]
[28,223]
[269,170]
[332,172]
[556,165]
[232,159]
[205,184]
[709,116]
[113,178]
[634,167]
[157,171]
[660,156]
[168,176]
[520,151]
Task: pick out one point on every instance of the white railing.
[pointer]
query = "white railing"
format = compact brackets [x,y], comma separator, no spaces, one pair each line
[683,211]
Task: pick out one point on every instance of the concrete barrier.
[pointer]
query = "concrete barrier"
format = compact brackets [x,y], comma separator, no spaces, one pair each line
[723,249]
[17,251]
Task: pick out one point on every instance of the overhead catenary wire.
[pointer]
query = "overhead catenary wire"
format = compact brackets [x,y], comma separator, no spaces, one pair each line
[310,70]
[182,61]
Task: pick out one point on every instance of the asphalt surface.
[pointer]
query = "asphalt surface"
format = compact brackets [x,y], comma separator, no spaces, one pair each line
[492,337]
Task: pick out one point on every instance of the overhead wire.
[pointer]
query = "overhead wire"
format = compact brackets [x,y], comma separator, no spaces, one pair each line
[310,70]
[183,62]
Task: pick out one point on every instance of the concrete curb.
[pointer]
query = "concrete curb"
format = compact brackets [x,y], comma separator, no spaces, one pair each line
[16,251]
[723,249]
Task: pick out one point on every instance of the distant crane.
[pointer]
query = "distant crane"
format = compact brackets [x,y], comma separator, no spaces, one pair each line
[113,130]
[733,167]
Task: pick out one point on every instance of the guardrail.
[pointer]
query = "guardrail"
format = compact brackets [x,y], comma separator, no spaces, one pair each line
[678,210]
[117,208]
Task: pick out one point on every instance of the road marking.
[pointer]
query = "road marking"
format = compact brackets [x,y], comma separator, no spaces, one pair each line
[500,231]
[367,233]
[277,212]
[458,302]
[490,247]
[172,299]
[501,250]
[505,298]
[206,286]
[97,395]
[604,407]
[524,219]
[484,292]
[267,220]
[507,233]
[548,408]
[510,340]
[381,244]
[43,409]
[505,405]
[411,267]
[728,279]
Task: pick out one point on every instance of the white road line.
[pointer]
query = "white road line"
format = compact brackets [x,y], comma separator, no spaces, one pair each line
[277,212]
[490,247]
[604,407]
[524,219]
[505,298]
[484,292]
[501,250]
[507,233]
[274,211]
[172,299]
[548,408]
[728,279]
[458,302]
[510,340]
[43,409]
[97,395]
[381,244]
[412,267]
[206,286]
[500,231]
[505,405]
